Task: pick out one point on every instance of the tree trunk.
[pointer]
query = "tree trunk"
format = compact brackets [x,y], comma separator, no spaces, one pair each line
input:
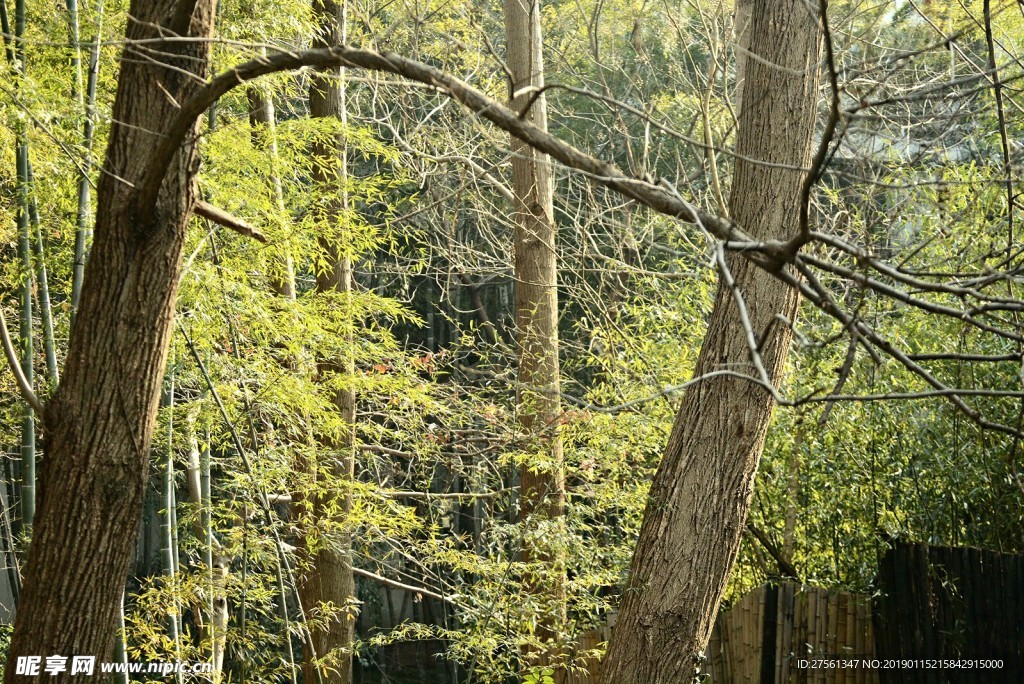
[329,581]
[263,120]
[542,479]
[699,500]
[99,423]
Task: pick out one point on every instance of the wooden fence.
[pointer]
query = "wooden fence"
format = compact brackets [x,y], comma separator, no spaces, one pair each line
[795,622]
[958,604]
[585,670]
[763,636]
[931,602]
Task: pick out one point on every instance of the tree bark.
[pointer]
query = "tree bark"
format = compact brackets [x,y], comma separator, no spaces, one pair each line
[329,581]
[542,478]
[99,423]
[701,494]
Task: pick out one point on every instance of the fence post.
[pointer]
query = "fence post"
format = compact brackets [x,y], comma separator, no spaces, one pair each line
[769,633]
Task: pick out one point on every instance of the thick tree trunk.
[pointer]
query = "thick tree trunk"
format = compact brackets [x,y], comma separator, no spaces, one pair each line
[329,581]
[99,423]
[701,494]
[542,487]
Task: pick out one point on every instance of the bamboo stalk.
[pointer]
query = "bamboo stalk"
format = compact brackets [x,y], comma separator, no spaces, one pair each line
[76,53]
[5,24]
[216,569]
[293,669]
[171,524]
[12,563]
[82,231]
[43,288]
[28,423]
[198,479]
[242,622]
[205,507]
[263,119]
[120,652]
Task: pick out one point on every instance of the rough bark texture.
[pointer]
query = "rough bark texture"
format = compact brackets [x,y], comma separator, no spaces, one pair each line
[99,423]
[701,494]
[542,489]
[329,580]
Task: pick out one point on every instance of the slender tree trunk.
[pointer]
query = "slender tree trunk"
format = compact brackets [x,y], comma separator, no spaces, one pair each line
[263,120]
[701,494]
[99,423]
[329,580]
[542,487]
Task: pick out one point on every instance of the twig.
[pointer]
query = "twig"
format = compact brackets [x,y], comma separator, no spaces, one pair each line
[395,584]
[997,88]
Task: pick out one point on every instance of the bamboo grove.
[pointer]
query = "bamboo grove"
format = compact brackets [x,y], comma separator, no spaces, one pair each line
[345,338]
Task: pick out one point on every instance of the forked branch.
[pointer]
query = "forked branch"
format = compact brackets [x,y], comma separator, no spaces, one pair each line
[769,255]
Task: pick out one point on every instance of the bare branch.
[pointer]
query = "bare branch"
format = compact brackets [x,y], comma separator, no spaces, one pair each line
[771,255]
[223,218]
[395,584]
[997,89]
[432,496]
[785,567]
[821,156]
